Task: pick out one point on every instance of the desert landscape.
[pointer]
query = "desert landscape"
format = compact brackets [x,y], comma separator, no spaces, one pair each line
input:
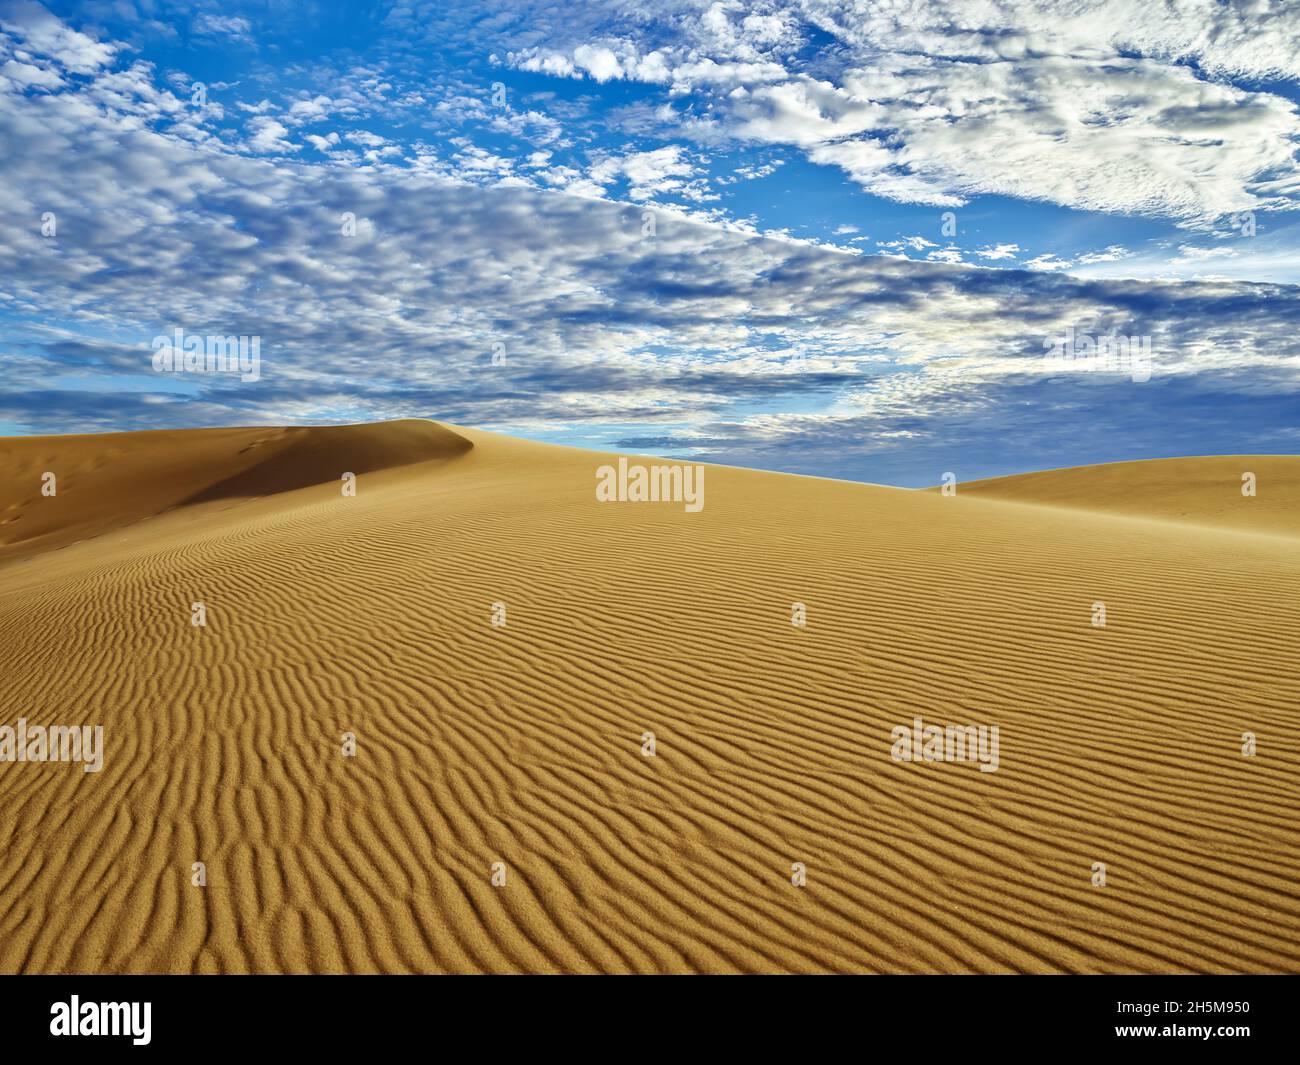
[498,643]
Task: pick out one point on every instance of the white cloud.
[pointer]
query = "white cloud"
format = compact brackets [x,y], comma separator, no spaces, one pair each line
[312,109]
[1108,255]
[232,26]
[323,144]
[1048,262]
[28,75]
[945,255]
[662,171]
[50,36]
[1091,104]
[601,63]
[998,251]
[268,135]
[916,243]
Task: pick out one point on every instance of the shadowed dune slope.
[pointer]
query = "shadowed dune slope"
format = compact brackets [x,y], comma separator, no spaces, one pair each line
[522,744]
[1191,491]
[107,480]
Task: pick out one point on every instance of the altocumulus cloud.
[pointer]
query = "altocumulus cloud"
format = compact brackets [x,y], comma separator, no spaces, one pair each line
[1094,104]
[708,339]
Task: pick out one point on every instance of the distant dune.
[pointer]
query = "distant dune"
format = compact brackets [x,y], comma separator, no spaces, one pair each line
[522,744]
[1189,491]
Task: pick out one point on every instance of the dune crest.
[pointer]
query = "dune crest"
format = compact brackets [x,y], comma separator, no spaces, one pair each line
[498,645]
[1188,491]
[128,477]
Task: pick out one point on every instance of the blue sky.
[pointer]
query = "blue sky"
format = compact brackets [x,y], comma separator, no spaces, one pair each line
[835,238]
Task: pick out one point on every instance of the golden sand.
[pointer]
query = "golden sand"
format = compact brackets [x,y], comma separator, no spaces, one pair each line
[479,744]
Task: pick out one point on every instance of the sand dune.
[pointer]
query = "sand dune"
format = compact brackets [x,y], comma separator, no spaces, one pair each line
[111,480]
[1190,491]
[522,744]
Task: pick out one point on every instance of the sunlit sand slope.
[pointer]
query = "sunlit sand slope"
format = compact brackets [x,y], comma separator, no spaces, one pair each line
[110,480]
[1249,493]
[522,745]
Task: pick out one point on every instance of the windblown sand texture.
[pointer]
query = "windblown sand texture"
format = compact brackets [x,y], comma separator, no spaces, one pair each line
[522,744]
